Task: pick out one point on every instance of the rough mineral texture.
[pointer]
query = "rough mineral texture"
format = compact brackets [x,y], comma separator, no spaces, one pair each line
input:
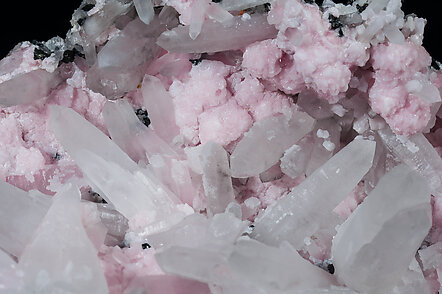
[223,147]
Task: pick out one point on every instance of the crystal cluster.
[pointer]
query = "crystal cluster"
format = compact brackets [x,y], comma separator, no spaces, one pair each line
[223,147]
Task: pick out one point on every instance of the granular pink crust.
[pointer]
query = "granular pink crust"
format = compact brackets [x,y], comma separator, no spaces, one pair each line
[314,56]
[30,156]
[394,65]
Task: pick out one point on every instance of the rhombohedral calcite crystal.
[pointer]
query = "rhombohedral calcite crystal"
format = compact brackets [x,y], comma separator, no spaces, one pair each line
[223,147]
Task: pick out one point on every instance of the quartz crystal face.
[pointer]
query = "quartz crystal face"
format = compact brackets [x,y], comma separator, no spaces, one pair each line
[223,147]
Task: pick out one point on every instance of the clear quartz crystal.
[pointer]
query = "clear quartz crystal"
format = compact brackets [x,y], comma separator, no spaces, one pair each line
[417,153]
[216,177]
[215,36]
[145,10]
[397,212]
[302,212]
[20,214]
[264,144]
[61,255]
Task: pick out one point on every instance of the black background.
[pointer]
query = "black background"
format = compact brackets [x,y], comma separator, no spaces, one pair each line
[42,19]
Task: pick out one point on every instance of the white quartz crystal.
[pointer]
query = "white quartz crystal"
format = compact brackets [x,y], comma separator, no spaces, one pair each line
[431,257]
[61,258]
[264,144]
[137,191]
[20,214]
[28,87]
[375,245]
[131,135]
[160,107]
[145,10]
[236,5]
[417,153]
[216,177]
[215,36]
[301,213]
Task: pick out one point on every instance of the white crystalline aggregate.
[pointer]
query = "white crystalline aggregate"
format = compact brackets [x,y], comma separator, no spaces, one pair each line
[301,213]
[145,10]
[264,144]
[296,158]
[217,181]
[28,87]
[236,5]
[61,258]
[417,153]
[20,215]
[376,244]
[160,107]
[215,37]
[431,256]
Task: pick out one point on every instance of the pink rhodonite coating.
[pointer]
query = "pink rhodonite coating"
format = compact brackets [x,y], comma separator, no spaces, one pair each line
[339,74]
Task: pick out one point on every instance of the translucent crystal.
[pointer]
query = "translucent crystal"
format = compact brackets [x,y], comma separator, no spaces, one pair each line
[138,141]
[417,153]
[61,258]
[398,213]
[301,213]
[215,37]
[264,144]
[145,10]
[236,5]
[20,215]
[137,191]
[28,87]
[216,177]
[160,107]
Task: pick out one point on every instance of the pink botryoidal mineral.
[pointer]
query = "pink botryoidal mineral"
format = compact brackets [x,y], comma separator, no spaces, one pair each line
[223,147]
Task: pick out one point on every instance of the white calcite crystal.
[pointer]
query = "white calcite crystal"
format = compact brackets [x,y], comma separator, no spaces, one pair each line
[398,213]
[264,144]
[223,147]
[301,213]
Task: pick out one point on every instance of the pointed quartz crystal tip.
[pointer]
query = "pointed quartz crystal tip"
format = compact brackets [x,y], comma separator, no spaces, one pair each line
[145,10]
[264,144]
[20,215]
[376,244]
[216,37]
[61,258]
[301,213]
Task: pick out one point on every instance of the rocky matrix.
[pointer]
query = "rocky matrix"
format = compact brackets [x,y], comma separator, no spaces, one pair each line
[223,147]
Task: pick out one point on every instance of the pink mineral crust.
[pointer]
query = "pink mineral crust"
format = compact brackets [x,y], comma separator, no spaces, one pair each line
[315,57]
[163,163]
[30,156]
[394,65]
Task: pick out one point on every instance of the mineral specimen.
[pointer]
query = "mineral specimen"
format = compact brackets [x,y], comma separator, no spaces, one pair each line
[223,147]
